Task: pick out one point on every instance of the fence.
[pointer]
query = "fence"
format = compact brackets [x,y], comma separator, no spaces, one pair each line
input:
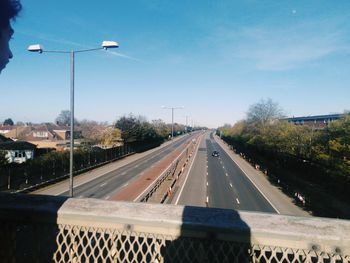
[55,166]
[160,189]
[56,229]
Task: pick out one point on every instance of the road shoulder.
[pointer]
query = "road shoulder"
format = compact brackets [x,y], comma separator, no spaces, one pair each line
[280,201]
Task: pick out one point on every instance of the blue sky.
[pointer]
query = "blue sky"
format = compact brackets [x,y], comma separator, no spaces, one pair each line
[215,58]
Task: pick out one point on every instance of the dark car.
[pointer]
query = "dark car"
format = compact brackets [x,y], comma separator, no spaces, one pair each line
[215,154]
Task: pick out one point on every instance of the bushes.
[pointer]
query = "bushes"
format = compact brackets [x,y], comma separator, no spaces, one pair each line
[305,157]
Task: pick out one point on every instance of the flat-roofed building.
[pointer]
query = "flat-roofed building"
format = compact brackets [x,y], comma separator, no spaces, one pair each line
[316,120]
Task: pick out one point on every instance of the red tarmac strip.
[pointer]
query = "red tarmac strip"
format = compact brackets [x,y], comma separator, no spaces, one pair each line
[131,191]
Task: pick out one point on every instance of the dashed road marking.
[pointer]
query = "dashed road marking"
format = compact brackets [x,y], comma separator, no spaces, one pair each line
[102,185]
[207,184]
[123,173]
[230,184]
[226,174]
[125,184]
[107,197]
[237,201]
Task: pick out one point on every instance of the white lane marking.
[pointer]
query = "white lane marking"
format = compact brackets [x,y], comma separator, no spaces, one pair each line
[91,180]
[278,212]
[137,165]
[188,172]
[123,173]
[226,174]
[207,184]
[207,199]
[102,185]
[237,201]
[107,197]
[230,184]
[125,184]
[223,167]
[207,173]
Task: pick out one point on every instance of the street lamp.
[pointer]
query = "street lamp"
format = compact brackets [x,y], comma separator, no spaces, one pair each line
[40,49]
[172,117]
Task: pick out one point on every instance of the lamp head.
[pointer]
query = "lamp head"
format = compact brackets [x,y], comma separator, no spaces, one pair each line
[109,44]
[36,48]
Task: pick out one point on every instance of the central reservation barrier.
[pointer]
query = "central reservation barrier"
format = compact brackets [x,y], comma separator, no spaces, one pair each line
[57,229]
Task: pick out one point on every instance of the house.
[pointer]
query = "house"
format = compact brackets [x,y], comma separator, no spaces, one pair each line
[40,133]
[19,132]
[4,129]
[18,151]
[4,139]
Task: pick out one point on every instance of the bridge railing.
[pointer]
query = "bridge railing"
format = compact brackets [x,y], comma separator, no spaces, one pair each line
[56,229]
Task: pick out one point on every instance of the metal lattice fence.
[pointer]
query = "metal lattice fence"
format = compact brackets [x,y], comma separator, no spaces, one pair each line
[81,230]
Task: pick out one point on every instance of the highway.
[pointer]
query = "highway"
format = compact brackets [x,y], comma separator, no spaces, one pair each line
[104,186]
[209,181]
[219,182]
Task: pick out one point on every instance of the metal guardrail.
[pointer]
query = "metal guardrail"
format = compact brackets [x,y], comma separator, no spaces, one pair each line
[156,185]
[56,229]
[172,171]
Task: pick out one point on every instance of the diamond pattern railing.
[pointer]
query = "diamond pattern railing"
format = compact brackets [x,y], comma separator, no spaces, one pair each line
[52,229]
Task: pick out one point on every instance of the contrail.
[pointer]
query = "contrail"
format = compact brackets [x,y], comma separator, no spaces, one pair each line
[123,56]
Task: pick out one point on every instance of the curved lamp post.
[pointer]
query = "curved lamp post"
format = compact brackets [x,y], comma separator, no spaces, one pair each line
[40,49]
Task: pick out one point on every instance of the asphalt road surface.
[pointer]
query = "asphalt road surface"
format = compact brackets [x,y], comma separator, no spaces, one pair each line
[104,186]
[219,182]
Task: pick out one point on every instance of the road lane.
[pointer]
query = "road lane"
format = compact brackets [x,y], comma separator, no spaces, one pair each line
[105,185]
[194,191]
[226,185]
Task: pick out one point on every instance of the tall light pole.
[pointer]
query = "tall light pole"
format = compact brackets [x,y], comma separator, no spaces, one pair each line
[172,117]
[187,123]
[39,48]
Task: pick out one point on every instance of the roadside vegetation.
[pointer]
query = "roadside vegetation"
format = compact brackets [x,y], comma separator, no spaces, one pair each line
[102,143]
[306,161]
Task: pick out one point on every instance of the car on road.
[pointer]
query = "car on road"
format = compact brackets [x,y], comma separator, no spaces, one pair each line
[215,154]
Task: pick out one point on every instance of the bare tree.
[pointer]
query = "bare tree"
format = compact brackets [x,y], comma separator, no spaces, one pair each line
[64,118]
[264,112]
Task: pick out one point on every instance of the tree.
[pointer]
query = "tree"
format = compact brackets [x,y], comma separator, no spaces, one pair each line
[64,118]
[264,112]
[129,127]
[111,136]
[137,130]
[161,128]
[8,121]
[91,130]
